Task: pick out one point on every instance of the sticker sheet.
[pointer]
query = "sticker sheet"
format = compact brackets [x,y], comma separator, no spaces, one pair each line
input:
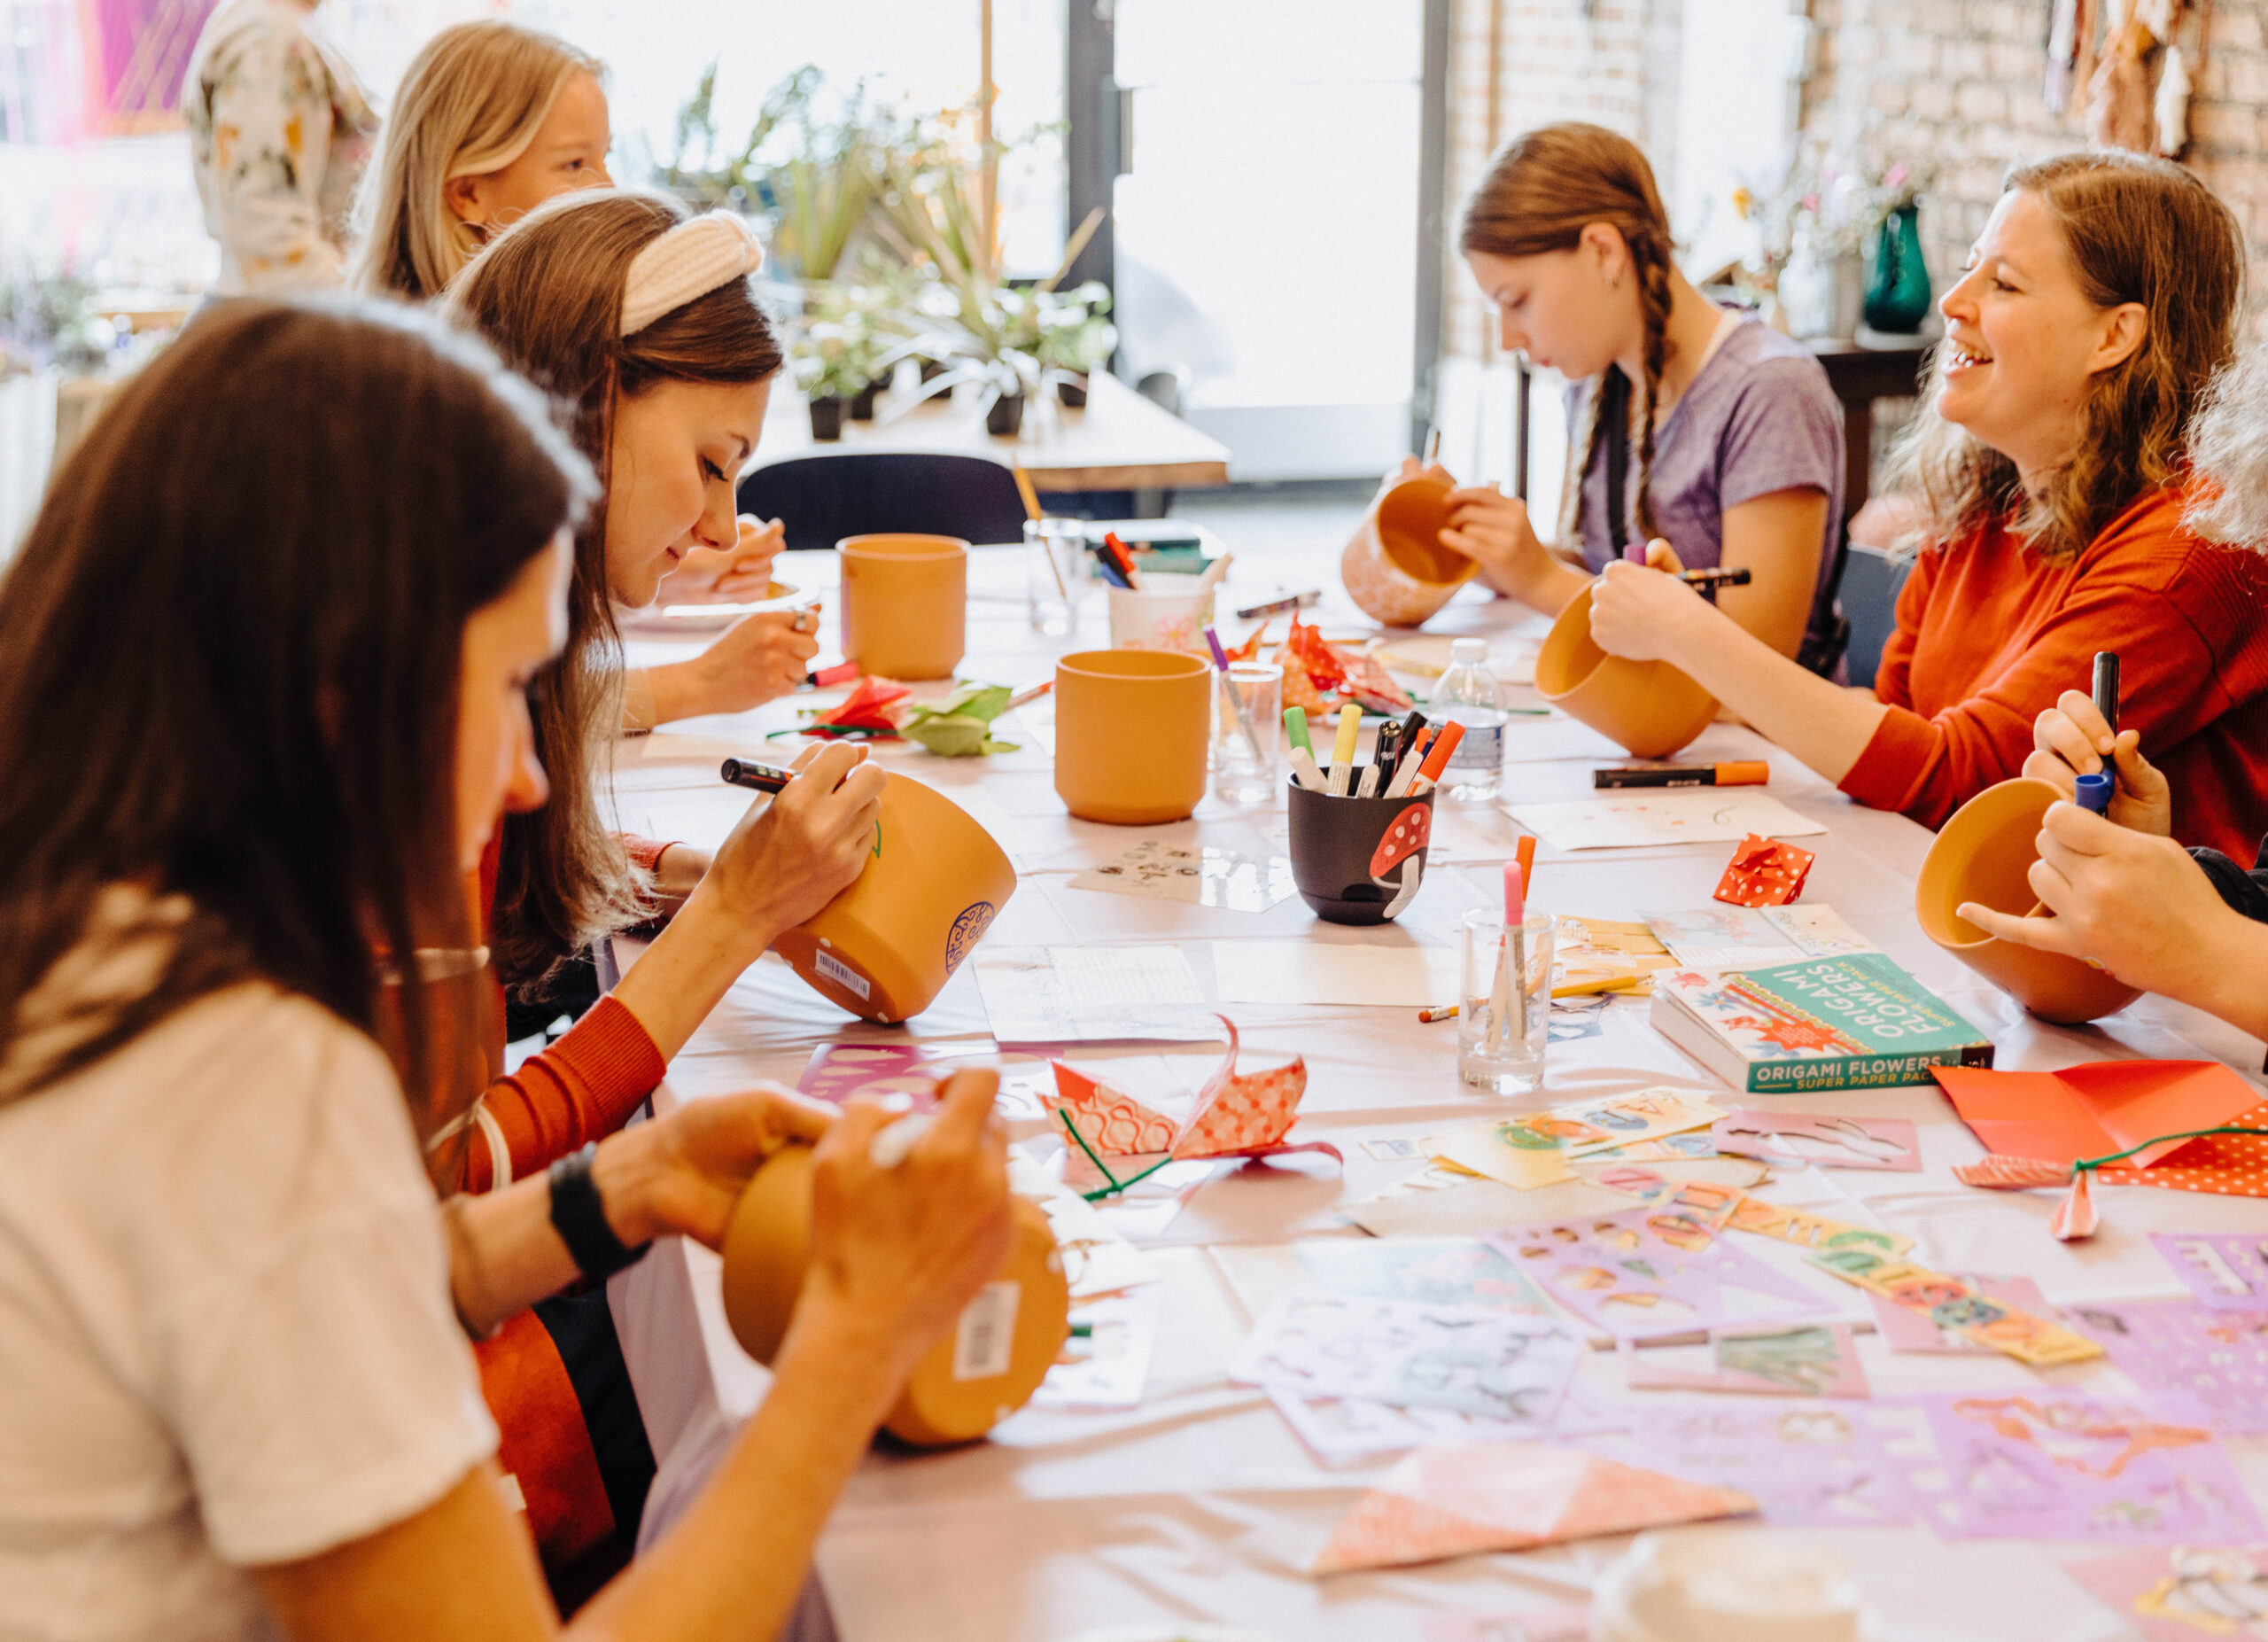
[1158,871]
[2227,1271]
[1807,1464]
[2049,1464]
[1645,1273]
[2183,1595]
[1494,1364]
[1349,1431]
[1433,1271]
[1536,1150]
[1953,1303]
[1903,1330]
[1791,1140]
[1816,1360]
[2219,1360]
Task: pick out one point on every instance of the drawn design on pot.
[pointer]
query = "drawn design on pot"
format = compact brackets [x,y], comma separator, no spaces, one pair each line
[1403,847]
[968,928]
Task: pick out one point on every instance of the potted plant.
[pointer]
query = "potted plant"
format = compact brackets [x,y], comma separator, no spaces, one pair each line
[832,365]
[1075,338]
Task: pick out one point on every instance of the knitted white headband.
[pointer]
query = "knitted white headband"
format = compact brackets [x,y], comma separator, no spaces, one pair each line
[690,260]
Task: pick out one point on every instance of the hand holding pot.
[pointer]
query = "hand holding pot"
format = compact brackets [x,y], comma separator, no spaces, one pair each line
[2070,739]
[1643,613]
[682,1173]
[791,855]
[728,576]
[903,1249]
[2133,903]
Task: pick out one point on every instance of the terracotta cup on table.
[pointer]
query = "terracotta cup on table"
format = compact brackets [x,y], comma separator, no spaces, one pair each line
[1985,855]
[1131,731]
[1652,708]
[905,605]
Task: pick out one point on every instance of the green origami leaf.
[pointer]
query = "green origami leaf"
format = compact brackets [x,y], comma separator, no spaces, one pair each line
[955,736]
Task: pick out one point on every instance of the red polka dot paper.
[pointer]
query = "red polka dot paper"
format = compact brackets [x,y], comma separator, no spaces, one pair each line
[1764,872]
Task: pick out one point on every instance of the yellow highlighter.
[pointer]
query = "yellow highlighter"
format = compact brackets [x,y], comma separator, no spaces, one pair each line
[1342,755]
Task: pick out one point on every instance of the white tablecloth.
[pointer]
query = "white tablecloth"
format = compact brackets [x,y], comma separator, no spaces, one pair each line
[1201,1504]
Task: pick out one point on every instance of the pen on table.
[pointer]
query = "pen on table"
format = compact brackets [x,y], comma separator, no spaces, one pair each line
[1236,698]
[1437,758]
[1739,773]
[1277,607]
[1342,751]
[1030,692]
[1437,1012]
[2106,687]
[2093,792]
[827,678]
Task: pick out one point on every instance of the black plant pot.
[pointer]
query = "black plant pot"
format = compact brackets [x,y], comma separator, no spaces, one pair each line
[826,418]
[1007,416]
[862,407]
[1073,392]
[931,369]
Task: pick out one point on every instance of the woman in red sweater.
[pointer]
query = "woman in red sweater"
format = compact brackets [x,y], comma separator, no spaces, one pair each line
[2098,303]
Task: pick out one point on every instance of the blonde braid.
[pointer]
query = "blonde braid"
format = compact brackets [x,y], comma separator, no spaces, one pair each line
[1578,466]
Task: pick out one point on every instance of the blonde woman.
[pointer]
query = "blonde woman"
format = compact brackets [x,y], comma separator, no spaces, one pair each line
[279,131]
[492,120]
[2097,304]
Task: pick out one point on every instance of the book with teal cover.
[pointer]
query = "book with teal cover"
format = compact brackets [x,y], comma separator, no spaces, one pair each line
[1852,1021]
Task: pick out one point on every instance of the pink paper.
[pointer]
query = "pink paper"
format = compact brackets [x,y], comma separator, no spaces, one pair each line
[1237,1114]
[2049,1464]
[1647,1272]
[1448,1502]
[2219,1358]
[2182,1595]
[1905,1330]
[1793,1139]
[1807,1464]
[2226,1270]
[1816,1360]
[839,1071]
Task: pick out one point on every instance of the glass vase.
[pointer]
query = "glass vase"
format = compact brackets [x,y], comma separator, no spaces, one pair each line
[1898,296]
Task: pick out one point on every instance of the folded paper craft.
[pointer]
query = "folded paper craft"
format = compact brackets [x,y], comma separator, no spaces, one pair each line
[1764,872]
[871,711]
[1443,1502]
[1237,1114]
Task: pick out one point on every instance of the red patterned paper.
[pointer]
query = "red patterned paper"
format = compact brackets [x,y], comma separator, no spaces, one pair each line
[1108,1119]
[1764,872]
[2229,1165]
[1238,1113]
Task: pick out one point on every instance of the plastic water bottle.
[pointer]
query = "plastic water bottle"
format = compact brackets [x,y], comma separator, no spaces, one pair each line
[1469,695]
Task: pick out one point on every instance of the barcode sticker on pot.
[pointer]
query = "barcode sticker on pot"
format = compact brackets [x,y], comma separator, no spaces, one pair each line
[987,1336]
[842,974]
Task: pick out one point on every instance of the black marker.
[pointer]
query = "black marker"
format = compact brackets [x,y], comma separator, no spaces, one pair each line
[1719,578]
[1277,607]
[763,777]
[2106,687]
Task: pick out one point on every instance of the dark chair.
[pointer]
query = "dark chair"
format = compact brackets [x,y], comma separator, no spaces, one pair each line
[825,498]
[1872,579]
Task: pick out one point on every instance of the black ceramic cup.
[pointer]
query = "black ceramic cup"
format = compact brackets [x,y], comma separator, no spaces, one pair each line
[1358,860]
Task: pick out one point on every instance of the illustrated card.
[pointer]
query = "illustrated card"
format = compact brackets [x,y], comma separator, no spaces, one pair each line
[1348,1430]
[1645,1273]
[1494,1364]
[1905,1330]
[2227,1271]
[2219,1360]
[2184,1595]
[1807,1464]
[1434,1271]
[1816,1360]
[1536,1149]
[1792,1139]
[1156,870]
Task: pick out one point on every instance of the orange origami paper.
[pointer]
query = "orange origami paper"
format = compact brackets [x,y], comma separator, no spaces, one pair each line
[1456,1500]
[1764,873]
[1237,1114]
[2092,1111]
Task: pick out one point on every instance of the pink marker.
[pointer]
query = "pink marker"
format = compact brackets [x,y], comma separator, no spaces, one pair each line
[1633,552]
[1515,895]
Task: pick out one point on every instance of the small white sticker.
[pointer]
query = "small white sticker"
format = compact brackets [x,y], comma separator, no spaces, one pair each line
[986,1339]
[842,974]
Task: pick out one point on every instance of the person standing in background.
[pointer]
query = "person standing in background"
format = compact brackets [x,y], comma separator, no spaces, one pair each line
[279,131]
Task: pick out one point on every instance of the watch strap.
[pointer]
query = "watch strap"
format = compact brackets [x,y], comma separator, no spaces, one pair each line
[580,1217]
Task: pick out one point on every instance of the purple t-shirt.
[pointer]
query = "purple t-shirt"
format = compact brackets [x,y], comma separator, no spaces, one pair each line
[1759,417]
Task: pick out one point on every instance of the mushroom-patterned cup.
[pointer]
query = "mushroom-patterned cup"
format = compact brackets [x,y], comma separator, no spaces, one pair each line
[1358,860]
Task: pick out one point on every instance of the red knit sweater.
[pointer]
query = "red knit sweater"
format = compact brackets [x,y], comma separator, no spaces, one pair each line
[1988,634]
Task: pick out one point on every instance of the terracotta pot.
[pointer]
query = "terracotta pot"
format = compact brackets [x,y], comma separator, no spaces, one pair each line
[826,418]
[1014,1329]
[1983,854]
[1649,706]
[886,947]
[1395,567]
[1129,735]
[905,605]
[1338,860]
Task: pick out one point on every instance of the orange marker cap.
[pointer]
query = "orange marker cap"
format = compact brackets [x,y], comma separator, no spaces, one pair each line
[1437,756]
[1744,773]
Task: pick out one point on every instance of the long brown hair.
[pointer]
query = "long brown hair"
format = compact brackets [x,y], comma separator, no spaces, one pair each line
[2138,230]
[471,103]
[229,663]
[1543,192]
[547,295]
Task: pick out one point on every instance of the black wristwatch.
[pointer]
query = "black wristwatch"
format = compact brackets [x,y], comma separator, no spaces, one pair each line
[580,1219]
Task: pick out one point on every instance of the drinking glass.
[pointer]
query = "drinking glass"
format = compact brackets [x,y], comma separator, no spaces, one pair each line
[1503,1009]
[1246,768]
[1055,573]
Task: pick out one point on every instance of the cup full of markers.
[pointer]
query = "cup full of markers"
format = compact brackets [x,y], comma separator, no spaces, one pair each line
[1359,830]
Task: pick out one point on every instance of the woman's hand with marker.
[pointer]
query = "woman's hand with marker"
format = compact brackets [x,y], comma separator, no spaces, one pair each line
[790,856]
[2072,738]
[2134,903]
[1643,612]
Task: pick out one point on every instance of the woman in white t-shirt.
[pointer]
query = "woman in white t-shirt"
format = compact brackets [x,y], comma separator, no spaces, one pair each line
[312,558]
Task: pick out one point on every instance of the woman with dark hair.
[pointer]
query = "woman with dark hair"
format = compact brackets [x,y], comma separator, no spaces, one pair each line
[312,561]
[2098,302]
[1691,423]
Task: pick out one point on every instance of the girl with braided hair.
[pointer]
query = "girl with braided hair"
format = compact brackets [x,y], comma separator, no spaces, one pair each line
[1693,424]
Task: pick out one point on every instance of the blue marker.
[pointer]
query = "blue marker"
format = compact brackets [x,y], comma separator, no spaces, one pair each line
[2094,793]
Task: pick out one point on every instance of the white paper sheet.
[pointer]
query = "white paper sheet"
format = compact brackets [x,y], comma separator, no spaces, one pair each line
[1109,1366]
[1725,937]
[1318,972]
[1158,871]
[1707,815]
[1073,994]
